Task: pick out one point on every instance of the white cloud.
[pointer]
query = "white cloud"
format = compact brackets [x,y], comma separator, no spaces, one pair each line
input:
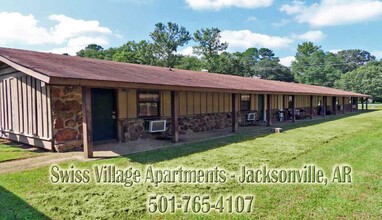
[377,53]
[68,34]
[334,50]
[281,23]
[219,4]
[78,43]
[287,61]
[16,27]
[187,51]
[334,12]
[244,39]
[313,36]
[69,27]
[294,8]
[252,18]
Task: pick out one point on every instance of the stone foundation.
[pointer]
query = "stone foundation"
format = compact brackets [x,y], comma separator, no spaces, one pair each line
[133,129]
[67,117]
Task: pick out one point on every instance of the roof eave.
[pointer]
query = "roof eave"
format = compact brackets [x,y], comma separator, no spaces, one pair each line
[26,70]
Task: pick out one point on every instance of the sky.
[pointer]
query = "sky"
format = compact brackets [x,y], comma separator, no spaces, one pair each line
[66,26]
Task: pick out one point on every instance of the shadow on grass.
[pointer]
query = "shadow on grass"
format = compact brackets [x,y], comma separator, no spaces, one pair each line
[177,151]
[13,207]
[319,120]
[21,146]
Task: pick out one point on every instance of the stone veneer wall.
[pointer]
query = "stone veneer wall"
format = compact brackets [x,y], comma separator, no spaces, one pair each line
[67,117]
[133,129]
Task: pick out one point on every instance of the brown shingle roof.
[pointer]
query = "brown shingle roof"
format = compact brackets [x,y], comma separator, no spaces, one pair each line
[69,67]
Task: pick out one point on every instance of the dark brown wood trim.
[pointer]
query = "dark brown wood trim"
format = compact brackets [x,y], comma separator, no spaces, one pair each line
[293,108]
[311,107]
[146,86]
[175,116]
[233,113]
[25,70]
[334,103]
[87,122]
[269,110]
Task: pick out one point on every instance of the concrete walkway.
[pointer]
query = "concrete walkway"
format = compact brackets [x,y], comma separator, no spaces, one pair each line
[39,161]
[115,149]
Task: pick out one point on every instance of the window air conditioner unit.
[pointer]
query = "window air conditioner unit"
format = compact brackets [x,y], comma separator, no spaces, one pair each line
[251,116]
[155,126]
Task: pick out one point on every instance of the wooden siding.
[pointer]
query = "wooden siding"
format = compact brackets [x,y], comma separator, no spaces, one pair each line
[25,107]
[190,103]
[193,103]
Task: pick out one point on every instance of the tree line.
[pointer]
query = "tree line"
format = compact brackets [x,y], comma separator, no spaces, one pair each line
[346,69]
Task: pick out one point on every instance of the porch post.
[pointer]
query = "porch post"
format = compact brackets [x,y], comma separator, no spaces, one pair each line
[269,110]
[284,107]
[175,116]
[352,103]
[334,102]
[323,106]
[87,122]
[362,100]
[367,103]
[311,107]
[233,113]
[343,105]
[293,108]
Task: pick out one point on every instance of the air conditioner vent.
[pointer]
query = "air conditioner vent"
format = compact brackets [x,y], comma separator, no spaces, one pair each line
[155,126]
[251,116]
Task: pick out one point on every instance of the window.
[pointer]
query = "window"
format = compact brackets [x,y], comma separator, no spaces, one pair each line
[148,103]
[245,103]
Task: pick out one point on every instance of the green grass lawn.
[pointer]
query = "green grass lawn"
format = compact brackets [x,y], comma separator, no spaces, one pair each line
[371,106]
[12,151]
[354,140]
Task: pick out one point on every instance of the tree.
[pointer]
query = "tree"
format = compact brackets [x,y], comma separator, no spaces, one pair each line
[133,52]
[267,66]
[352,59]
[314,66]
[92,51]
[209,44]
[271,69]
[366,79]
[190,63]
[167,39]
[265,53]
[231,64]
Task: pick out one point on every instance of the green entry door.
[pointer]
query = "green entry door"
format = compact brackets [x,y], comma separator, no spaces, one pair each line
[104,114]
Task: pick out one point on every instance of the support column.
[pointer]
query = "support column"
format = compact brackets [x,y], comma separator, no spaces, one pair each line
[362,101]
[233,113]
[175,116]
[352,103]
[367,103]
[269,110]
[284,107]
[311,107]
[87,122]
[334,103]
[343,105]
[293,108]
[323,106]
